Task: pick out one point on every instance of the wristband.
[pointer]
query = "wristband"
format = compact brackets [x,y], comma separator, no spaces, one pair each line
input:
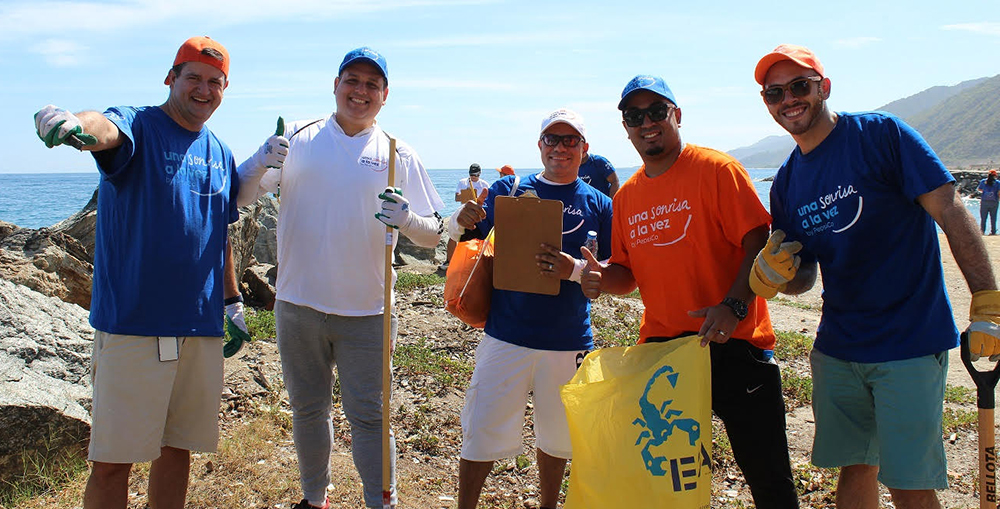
[233,300]
[578,266]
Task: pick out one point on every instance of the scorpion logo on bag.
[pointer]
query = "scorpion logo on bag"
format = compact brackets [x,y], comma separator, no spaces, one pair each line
[659,423]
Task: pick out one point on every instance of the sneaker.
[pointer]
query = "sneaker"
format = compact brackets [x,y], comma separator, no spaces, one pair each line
[304,504]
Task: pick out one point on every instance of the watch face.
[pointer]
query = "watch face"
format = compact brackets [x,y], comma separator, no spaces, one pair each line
[739,307]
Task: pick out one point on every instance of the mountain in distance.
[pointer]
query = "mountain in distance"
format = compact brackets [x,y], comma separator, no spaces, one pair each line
[767,153]
[960,122]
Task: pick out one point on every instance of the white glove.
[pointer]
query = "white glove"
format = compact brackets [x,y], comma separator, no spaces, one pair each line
[55,125]
[235,313]
[395,209]
[272,153]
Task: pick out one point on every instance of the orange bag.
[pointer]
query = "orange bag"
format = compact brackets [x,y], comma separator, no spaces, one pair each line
[469,282]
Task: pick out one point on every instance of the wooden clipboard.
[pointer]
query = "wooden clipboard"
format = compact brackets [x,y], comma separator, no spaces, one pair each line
[467,194]
[522,224]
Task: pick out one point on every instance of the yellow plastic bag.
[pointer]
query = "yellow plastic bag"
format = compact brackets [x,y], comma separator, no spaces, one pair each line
[640,423]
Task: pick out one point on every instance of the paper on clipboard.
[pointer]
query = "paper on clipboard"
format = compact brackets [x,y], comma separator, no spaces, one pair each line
[467,194]
[522,224]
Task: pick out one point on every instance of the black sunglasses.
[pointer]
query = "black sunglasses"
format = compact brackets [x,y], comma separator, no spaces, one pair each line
[568,140]
[634,117]
[799,88]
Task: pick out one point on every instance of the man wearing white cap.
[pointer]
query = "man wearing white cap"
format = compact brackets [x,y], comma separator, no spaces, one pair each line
[532,342]
[331,245]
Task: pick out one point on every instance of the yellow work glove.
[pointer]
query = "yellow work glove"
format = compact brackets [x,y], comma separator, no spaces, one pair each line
[984,331]
[775,265]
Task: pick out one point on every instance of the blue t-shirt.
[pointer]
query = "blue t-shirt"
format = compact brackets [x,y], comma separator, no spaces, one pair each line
[989,191]
[165,199]
[595,171]
[851,201]
[551,322]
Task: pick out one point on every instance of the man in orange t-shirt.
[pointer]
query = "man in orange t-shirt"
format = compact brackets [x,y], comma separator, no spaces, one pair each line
[686,229]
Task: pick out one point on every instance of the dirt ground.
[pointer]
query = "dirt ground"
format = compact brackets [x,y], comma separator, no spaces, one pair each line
[424,408]
[256,465]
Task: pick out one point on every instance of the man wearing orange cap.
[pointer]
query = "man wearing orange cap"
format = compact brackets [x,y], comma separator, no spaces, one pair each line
[166,180]
[880,359]
[989,197]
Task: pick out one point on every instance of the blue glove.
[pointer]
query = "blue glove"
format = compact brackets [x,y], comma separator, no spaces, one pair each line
[395,209]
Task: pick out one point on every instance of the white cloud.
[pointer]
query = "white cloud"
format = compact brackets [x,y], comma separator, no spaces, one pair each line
[856,42]
[978,28]
[60,52]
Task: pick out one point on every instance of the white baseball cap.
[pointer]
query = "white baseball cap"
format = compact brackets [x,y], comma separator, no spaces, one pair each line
[564,116]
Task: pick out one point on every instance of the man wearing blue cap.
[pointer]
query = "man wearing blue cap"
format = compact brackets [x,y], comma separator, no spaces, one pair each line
[686,229]
[329,305]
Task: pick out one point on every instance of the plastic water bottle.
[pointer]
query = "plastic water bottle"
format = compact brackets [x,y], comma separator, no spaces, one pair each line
[591,242]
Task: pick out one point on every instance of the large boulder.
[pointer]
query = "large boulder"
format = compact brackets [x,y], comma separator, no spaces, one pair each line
[265,249]
[45,347]
[48,261]
[82,226]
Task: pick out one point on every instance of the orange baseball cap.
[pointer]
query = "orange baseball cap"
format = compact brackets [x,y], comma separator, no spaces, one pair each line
[191,51]
[798,54]
[993,172]
[506,170]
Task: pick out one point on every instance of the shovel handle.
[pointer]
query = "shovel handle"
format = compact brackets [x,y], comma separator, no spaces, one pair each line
[986,383]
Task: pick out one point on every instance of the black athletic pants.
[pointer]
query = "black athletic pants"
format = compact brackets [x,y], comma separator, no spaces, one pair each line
[746,395]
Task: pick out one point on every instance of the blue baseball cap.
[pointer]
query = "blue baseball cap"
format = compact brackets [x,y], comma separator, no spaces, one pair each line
[367,54]
[654,84]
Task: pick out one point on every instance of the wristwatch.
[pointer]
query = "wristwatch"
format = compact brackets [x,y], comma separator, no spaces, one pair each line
[738,306]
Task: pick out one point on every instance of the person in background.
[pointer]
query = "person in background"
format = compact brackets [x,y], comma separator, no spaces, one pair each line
[989,197]
[859,197]
[331,249]
[166,196]
[690,261]
[478,185]
[505,170]
[532,342]
[598,172]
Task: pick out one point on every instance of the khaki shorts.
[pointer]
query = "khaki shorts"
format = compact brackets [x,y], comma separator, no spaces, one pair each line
[142,404]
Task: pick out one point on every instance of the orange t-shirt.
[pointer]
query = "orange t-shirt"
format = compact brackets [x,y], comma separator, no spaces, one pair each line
[681,235]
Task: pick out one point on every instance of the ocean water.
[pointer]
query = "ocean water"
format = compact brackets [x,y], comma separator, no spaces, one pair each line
[34,200]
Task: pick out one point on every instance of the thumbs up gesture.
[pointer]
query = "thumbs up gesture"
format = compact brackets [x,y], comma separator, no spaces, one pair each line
[590,278]
[473,212]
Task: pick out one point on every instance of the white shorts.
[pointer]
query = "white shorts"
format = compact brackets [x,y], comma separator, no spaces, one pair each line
[493,416]
[142,404]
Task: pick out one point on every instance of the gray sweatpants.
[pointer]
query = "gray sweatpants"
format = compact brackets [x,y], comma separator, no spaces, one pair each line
[310,344]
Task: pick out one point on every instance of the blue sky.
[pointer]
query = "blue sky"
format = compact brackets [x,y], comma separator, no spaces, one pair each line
[469,81]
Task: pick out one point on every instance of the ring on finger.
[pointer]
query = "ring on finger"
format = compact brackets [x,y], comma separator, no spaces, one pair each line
[720,332]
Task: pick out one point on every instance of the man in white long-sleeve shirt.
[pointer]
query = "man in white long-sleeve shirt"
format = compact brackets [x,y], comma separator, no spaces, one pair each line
[331,254]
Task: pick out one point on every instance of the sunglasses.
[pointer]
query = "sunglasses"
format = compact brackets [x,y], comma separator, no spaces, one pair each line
[799,88]
[568,140]
[634,117]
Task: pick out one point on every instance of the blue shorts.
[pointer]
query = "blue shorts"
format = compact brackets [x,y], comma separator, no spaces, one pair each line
[884,413]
